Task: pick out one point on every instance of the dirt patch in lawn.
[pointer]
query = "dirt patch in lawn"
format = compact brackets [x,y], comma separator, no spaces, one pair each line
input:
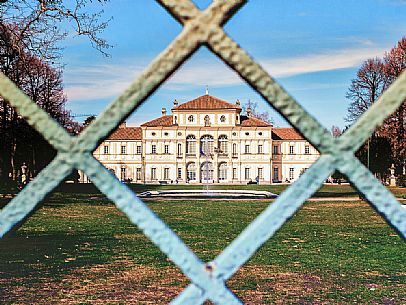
[101,284]
[271,285]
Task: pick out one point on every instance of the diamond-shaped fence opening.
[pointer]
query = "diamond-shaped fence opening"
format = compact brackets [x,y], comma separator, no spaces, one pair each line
[47,248]
[324,243]
[207,280]
[370,155]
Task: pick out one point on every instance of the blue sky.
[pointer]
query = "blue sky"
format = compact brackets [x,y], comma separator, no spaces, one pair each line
[312,48]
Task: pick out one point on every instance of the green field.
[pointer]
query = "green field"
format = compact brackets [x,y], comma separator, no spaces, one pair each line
[82,250]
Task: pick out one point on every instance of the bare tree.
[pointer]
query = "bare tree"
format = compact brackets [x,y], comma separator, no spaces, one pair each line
[395,60]
[336,131]
[394,127]
[253,106]
[374,76]
[38,24]
[31,32]
[43,84]
[366,88]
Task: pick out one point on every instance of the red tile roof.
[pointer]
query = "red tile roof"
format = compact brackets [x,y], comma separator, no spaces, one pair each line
[253,122]
[165,120]
[286,134]
[126,133]
[206,102]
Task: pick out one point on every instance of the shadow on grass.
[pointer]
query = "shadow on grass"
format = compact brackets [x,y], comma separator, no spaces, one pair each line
[53,254]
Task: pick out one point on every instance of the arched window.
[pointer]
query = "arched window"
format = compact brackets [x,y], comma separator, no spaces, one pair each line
[234,149]
[190,118]
[191,171]
[206,172]
[190,145]
[206,145]
[222,118]
[223,171]
[223,144]
[206,120]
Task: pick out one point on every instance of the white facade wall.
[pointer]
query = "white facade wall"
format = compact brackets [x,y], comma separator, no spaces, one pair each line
[249,155]
[237,161]
[292,159]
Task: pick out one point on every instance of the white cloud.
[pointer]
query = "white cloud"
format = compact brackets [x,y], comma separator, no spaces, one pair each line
[339,59]
[107,81]
[98,81]
[215,73]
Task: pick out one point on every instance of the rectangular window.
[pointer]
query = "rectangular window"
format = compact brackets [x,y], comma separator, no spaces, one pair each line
[123,174]
[234,173]
[234,149]
[138,150]
[307,150]
[223,146]
[190,146]
[260,149]
[291,149]
[247,173]
[179,149]
[166,149]
[153,173]
[106,150]
[260,173]
[247,149]
[166,173]
[275,174]
[138,173]
[153,149]
[179,176]
[291,173]
[275,150]
[123,150]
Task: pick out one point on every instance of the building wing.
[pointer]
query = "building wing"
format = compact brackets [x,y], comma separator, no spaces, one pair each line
[286,134]
[126,133]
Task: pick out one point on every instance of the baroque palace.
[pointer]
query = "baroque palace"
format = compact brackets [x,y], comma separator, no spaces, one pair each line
[205,140]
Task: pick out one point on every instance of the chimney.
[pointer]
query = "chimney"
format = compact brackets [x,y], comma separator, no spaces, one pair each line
[163,111]
[175,103]
[249,112]
[123,125]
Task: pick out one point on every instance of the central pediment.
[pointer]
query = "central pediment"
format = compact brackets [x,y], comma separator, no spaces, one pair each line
[207,102]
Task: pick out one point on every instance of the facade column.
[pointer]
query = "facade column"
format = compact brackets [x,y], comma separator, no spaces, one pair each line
[215,170]
[215,166]
[230,158]
[198,159]
[184,161]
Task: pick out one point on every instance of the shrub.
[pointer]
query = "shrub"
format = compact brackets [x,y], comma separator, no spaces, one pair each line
[401,181]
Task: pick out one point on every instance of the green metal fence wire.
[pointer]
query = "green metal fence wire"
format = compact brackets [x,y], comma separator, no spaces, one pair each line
[208,280]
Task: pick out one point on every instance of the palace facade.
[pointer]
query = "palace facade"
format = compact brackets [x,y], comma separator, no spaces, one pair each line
[205,140]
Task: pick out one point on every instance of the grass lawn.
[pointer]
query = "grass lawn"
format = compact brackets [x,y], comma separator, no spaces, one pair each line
[82,250]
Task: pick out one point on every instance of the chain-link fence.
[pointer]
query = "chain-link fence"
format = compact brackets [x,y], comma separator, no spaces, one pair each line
[205,28]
